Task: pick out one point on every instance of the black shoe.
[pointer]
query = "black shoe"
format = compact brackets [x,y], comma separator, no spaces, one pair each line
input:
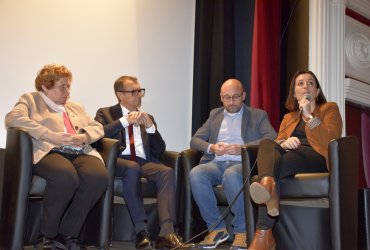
[142,240]
[171,241]
[67,243]
[44,243]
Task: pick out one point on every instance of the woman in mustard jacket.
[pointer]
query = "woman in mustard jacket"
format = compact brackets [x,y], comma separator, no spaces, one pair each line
[300,147]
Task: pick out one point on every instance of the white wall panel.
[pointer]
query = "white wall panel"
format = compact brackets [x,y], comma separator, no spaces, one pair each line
[100,41]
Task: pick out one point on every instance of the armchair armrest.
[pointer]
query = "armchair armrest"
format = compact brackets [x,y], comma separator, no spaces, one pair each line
[189,158]
[249,156]
[18,163]
[170,158]
[343,191]
[108,149]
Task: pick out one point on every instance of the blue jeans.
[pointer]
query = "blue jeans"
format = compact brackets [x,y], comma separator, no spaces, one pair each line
[228,173]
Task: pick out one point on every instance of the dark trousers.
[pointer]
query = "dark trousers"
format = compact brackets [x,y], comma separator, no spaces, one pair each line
[164,178]
[73,185]
[274,161]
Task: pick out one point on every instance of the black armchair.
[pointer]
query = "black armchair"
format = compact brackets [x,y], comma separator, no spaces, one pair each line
[122,225]
[23,191]
[318,210]
[191,218]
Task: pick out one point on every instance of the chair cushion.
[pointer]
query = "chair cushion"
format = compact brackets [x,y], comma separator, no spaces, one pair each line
[305,186]
[148,188]
[38,186]
[313,185]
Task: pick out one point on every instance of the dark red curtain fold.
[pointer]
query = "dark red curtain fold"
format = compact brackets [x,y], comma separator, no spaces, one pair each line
[265,76]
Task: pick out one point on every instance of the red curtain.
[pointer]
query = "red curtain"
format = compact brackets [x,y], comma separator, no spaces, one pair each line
[265,79]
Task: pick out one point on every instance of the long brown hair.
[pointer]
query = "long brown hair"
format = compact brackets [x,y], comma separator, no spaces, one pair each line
[291,102]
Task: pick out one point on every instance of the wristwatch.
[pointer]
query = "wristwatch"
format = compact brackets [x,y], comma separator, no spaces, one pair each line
[310,117]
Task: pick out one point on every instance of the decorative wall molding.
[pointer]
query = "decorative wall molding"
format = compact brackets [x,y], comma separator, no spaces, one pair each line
[357,92]
[318,56]
[335,86]
[360,6]
[357,49]
[339,46]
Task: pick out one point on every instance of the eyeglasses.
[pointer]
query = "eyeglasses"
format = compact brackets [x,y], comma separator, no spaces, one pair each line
[228,98]
[135,92]
[63,88]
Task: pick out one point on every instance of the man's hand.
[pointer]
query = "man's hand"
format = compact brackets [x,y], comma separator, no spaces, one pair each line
[222,148]
[218,148]
[148,122]
[138,118]
[232,149]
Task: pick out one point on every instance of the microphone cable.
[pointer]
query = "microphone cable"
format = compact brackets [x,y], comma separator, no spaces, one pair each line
[224,213]
[290,123]
[228,208]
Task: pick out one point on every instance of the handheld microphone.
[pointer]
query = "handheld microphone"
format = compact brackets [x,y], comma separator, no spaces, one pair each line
[307,96]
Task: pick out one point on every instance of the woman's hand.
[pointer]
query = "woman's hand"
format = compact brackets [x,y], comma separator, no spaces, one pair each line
[292,143]
[305,106]
[65,139]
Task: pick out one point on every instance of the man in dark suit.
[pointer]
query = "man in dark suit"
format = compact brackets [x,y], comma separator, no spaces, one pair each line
[143,147]
[220,139]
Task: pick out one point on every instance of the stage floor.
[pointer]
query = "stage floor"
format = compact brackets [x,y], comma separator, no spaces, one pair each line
[128,245]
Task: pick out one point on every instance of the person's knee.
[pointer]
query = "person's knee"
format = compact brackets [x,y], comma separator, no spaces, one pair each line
[168,173]
[196,176]
[266,141]
[99,179]
[192,175]
[66,179]
[133,172]
[231,177]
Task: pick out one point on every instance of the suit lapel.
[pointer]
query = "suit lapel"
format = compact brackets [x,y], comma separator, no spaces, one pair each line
[116,112]
[145,139]
[244,131]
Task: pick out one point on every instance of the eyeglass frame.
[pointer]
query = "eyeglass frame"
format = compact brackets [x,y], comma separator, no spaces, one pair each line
[134,92]
[63,88]
[229,98]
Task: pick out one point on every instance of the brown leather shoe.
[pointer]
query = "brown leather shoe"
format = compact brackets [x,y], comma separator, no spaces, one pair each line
[264,192]
[171,241]
[263,240]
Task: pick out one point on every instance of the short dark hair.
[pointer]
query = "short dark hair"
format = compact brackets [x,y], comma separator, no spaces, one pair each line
[119,84]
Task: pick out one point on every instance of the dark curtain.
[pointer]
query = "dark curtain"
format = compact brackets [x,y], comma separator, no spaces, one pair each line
[222,50]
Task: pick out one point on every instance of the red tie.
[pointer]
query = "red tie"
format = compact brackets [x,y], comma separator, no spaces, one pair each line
[68,124]
[132,142]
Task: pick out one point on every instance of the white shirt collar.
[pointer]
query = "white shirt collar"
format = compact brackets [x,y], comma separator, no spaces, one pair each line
[52,104]
[125,111]
[240,112]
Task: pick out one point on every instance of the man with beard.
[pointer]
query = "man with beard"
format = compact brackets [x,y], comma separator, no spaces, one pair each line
[220,138]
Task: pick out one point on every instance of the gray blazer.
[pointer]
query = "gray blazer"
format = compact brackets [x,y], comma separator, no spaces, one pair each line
[255,126]
[32,114]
